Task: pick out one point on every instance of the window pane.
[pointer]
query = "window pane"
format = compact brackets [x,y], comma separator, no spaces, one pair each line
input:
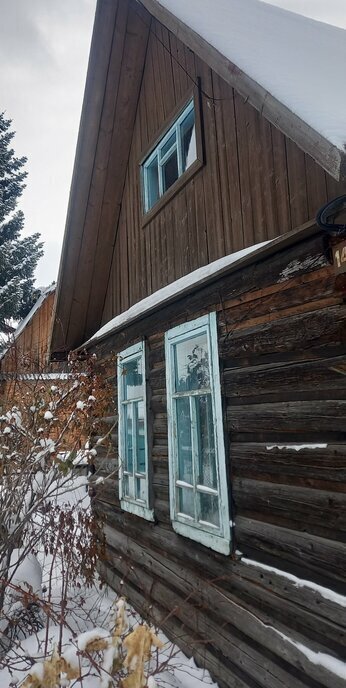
[128,419]
[169,143]
[128,486]
[125,486]
[139,415]
[191,364]
[170,171]
[152,183]
[188,140]
[132,372]
[206,445]
[186,502]
[208,507]
[184,440]
[141,492]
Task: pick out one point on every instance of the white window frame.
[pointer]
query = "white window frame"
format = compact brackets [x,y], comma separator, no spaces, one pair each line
[134,506]
[161,159]
[218,539]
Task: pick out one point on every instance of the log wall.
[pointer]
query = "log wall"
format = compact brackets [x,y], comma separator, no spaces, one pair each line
[282,348]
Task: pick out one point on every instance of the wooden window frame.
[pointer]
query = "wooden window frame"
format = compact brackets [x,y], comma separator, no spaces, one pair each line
[218,539]
[191,95]
[134,506]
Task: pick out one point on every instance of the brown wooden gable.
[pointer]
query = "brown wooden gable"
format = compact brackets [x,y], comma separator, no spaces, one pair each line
[256,183]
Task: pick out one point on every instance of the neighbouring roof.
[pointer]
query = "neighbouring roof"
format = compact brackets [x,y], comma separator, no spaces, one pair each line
[45,291]
[299,61]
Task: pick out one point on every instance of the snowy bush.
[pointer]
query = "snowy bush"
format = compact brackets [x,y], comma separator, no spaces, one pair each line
[45,519]
[58,625]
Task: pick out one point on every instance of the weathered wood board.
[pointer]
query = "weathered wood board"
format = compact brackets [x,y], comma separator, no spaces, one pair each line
[282,348]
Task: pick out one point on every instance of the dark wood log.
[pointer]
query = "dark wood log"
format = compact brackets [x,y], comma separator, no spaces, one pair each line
[243,586]
[323,378]
[310,557]
[295,416]
[316,467]
[234,638]
[314,511]
[317,333]
[313,553]
[192,644]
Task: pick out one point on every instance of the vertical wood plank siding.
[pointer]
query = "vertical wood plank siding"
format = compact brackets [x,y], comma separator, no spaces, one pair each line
[29,353]
[282,347]
[32,342]
[256,183]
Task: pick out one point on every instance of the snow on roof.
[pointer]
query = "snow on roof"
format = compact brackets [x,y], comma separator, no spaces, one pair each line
[45,291]
[174,289]
[299,61]
[23,323]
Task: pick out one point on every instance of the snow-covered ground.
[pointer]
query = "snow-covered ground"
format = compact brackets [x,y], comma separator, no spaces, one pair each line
[89,614]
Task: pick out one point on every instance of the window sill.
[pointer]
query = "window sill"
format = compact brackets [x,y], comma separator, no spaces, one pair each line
[216,542]
[137,510]
[172,191]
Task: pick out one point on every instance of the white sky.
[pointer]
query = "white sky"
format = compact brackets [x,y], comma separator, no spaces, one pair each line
[44,48]
[328,11]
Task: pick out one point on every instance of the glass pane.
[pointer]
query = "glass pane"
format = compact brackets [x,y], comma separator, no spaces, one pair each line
[188,140]
[140,436]
[169,143]
[191,364]
[128,420]
[132,372]
[152,183]
[185,502]
[141,493]
[184,440]
[129,487]
[206,445]
[208,507]
[170,171]
[125,486]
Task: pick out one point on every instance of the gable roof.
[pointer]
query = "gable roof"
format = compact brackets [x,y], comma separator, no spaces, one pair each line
[115,70]
[289,67]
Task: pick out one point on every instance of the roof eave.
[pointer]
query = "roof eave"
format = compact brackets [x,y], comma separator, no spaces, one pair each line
[268,248]
[85,152]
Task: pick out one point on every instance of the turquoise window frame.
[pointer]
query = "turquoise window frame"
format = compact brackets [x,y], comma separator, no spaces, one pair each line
[139,507]
[215,537]
[163,156]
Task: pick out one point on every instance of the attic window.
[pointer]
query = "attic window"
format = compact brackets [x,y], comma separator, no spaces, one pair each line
[173,156]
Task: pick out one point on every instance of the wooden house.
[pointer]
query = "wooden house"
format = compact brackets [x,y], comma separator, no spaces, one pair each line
[193,265]
[27,355]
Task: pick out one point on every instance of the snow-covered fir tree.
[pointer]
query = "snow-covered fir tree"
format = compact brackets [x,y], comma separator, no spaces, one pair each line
[18,256]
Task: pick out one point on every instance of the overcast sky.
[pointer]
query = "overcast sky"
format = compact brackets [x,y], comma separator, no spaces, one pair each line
[44,48]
